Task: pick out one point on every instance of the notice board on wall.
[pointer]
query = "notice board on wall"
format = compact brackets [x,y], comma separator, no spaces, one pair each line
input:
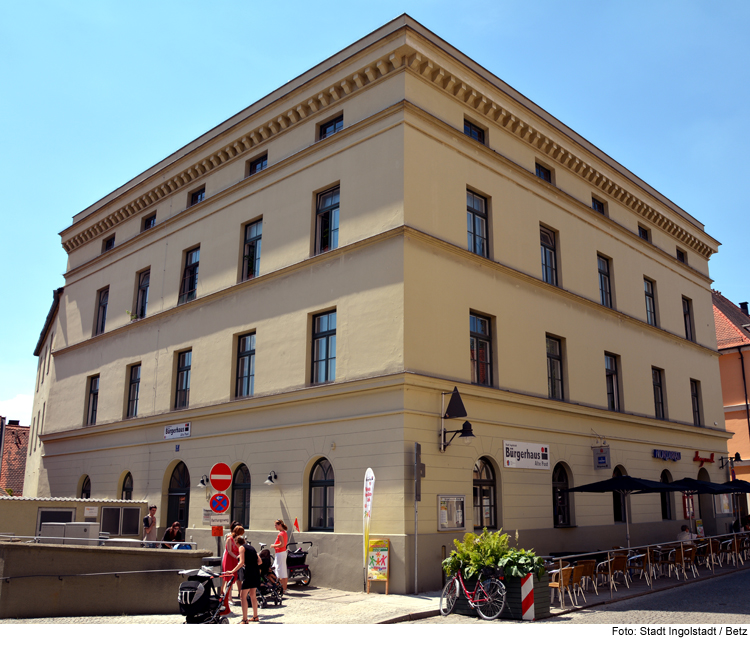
[451,512]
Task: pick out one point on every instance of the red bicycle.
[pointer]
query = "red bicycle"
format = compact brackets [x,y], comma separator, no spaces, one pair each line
[488,596]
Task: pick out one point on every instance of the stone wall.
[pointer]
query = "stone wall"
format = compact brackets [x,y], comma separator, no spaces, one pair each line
[42,580]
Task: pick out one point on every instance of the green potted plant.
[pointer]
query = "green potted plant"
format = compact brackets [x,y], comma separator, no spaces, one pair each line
[475,552]
[516,565]
[491,549]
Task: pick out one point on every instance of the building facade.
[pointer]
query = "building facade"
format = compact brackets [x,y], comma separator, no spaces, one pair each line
[733,340]
[294,292]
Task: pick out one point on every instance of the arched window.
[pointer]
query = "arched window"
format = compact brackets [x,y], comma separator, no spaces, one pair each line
[86,487]
[619,502]
[127,487]
[321,496]
[241,496]
[666,497]
[484,495]
[179,496]
[560,499]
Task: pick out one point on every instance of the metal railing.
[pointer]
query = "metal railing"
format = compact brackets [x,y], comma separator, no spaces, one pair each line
[101,541]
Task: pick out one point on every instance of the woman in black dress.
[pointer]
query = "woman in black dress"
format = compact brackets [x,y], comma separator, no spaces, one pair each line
[250,561]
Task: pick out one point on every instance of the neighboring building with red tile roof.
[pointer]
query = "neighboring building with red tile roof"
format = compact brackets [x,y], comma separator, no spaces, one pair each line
[733,341]
[13,449]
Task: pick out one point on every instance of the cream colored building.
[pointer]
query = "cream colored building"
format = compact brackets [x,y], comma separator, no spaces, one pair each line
[363,172]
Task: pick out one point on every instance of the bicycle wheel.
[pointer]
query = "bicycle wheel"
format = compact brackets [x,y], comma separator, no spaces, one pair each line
[449,596]
[493,602]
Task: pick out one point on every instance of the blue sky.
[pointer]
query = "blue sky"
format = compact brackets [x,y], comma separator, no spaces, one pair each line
[94,93]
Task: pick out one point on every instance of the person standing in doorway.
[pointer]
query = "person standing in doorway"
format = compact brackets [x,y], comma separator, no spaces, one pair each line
[279,547]
[149,527]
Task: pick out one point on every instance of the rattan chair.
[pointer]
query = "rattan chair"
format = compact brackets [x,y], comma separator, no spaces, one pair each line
[617,565]
[561,584]
[588,573]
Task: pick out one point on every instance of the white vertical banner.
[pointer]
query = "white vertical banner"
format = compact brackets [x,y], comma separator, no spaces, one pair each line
[369,487]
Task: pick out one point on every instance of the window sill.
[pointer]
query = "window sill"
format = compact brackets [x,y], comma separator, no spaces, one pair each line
[565,527]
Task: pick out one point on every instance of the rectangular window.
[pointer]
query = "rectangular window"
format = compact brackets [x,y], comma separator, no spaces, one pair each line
[245,366]
[141,303]
[544,173]
[39,373]
[549,256]
[40,369]
[108,244]
[189,285]
[93,400]
[480,341]
[134,385]
[605,282]
[324,348]
[258,165]
[554,368]
[472,131]
[644,233]
[613,382]
[681,256]
[597,205]
[687,315]
[49,352]
[123,521]
[476,223]
[251,254]
[331,127]
[182,393]
[695,397]
[658,381]
[101,312]
[197,196]
[148,223]
[327,221]
[648,287]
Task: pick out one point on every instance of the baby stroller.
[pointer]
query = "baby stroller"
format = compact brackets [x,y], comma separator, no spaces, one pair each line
[270,588]
[296,564]
[200,601]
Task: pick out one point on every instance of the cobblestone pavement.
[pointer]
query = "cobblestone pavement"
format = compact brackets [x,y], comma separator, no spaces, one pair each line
[303,606]
[720,600]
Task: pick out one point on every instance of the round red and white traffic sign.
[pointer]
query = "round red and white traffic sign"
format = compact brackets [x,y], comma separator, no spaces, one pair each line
[220,476]
[219,503]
